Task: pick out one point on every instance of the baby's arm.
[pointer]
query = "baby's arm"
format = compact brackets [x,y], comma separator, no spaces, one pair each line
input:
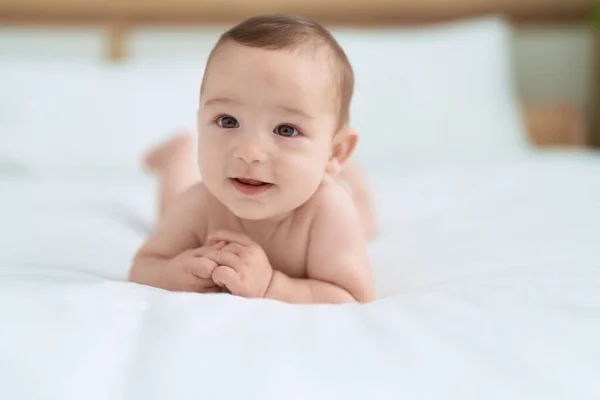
[176,233]
[338,269]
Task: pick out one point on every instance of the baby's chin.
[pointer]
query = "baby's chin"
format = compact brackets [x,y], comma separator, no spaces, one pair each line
[257,212]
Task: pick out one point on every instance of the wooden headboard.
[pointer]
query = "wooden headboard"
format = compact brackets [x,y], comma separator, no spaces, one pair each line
[330,11]
[122,16]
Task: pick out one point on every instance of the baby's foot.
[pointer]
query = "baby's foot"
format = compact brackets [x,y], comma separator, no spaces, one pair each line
[177,152]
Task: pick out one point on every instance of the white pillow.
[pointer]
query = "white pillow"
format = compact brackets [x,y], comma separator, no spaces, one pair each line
[75,110]
[75,115]
[436,94]
[422,95]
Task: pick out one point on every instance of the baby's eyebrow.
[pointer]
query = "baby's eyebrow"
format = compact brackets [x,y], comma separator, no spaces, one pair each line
[222,100]
[282,107]
[293,110]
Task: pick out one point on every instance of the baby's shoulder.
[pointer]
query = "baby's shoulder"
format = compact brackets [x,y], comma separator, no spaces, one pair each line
[193,204]
[331,201]
[335,227]
[196,197]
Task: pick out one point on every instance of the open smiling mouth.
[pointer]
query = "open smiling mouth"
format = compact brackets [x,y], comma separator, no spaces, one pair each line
[250,186]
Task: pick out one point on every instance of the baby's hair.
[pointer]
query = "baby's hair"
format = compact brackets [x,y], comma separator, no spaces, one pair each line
[289,32]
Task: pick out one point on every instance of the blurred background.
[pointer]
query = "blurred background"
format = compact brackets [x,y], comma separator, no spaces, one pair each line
[477,119]
[553,44]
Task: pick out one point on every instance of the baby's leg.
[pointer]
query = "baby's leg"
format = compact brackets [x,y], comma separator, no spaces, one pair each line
[361,194]
[174,164]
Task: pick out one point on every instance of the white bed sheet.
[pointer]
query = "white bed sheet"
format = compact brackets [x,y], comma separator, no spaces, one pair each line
[489,277]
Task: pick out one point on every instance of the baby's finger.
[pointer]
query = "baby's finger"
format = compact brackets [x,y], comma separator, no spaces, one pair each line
[203,267]
[225,276]
[229,259]
[200,288]
[214,243]
[204,251]
[221,257]
[199,285]
[234,248]
[219,245]
[229,236]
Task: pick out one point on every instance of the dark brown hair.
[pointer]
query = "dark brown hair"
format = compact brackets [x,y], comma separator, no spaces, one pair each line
[289,32]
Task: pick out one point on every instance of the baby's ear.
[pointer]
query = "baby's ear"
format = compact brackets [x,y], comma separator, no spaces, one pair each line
[344,144]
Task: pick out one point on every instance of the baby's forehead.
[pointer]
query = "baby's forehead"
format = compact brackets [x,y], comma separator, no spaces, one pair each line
[316,54]
[305,70]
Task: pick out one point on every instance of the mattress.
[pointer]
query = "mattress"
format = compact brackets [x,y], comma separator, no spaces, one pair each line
[487,278]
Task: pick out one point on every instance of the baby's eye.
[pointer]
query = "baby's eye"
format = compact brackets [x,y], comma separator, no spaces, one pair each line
[227,122]
[286,131]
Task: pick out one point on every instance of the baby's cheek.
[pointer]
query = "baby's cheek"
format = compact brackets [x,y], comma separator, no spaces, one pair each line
[208,163]
[307,176]
[209,149]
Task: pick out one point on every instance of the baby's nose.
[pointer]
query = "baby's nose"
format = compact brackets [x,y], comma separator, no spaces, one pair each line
[251,149]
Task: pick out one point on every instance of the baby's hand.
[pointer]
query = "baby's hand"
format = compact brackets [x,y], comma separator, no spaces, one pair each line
[243,267]
[191,272]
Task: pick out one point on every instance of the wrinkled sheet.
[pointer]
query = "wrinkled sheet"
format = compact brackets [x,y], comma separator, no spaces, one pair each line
[488,276]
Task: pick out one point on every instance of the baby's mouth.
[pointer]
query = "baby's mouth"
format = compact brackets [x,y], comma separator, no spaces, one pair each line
[250,187]
[250,182]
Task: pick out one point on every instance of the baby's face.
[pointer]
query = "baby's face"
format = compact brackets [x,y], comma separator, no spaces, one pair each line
[266,123]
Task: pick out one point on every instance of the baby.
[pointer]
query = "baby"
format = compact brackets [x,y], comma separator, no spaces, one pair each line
[280,213]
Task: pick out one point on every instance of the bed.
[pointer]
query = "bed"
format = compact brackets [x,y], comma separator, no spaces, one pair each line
[486,263]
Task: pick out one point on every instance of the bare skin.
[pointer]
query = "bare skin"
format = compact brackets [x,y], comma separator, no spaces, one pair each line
[270,218]
[174,164]
[181,194]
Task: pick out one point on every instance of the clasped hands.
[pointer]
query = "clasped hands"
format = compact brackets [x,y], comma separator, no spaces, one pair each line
[228,260]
